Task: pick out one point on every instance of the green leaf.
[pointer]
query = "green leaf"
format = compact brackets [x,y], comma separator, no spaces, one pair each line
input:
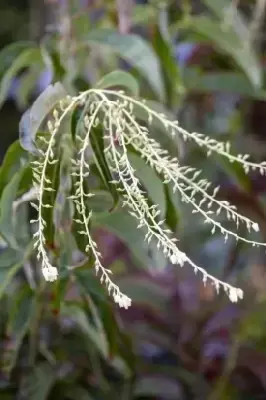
[236,171]
[32,118]
[12,162]
[228,82]
[25,59]
[8,257]
[63,211]
[7,273]
[19,318]
[145,291]
[89,282]
[119,79]
[223,9]
[97,337]
[9,53]
[124,226]
[97,144]
[6,209]
[27,84]
[136,51]
[158,387]
[101,202]
[150,180]
[230,43]
[78,392]
[169,67]
[172,217]
[37,384]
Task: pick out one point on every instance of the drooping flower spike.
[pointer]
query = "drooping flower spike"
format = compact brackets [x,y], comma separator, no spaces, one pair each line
[115,112]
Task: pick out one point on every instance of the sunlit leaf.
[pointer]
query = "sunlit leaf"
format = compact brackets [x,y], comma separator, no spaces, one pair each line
[135,50]
[119,79]
[33,118]
[37,384]
[25,59]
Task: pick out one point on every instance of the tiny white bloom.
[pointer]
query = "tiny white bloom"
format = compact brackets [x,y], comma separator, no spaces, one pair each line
[235,294]
[50,273]
[255,226]
[173,259]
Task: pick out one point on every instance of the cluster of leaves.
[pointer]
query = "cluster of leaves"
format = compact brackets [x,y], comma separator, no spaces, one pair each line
[192,345]
[62,340]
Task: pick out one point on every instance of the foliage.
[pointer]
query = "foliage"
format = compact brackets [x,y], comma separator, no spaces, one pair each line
[65,339]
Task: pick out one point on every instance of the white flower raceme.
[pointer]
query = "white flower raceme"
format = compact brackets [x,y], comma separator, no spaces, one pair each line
[115,112]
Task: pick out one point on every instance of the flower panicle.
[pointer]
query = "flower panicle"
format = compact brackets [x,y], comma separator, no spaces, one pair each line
[116,113]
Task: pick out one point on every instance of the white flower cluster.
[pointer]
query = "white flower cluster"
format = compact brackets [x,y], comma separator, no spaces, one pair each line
[115,111]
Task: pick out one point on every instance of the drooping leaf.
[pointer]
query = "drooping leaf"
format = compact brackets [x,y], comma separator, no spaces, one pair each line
[150,180]
[12,162]
[33,118]
[19,318]
[101,202]
[63,208]
[97,144]
[25,59]
[136,51]
[117,79]
[8,257]
[37,384]
[157,129]
[229,14]
[230,43]
[78,315]
[49,197]
[124,226]
[27,84]
[236,172]
[7,273]
[10,52]
[172,217]
[143,290]
[9,194]
[169,67]
[89,282]
[21,225]
[228,82]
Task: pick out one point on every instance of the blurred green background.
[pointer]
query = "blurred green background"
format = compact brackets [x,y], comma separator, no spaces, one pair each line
[203,61]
